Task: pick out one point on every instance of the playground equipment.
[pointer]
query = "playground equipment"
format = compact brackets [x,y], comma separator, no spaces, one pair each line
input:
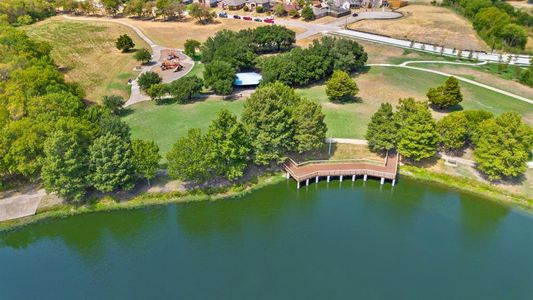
[171,64]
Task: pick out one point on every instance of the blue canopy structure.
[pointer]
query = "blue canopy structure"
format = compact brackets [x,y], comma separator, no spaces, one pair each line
[247,79]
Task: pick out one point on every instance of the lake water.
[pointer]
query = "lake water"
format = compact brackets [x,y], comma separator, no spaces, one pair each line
[326,241]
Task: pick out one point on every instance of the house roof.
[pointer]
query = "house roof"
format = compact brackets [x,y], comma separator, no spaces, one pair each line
[234,2]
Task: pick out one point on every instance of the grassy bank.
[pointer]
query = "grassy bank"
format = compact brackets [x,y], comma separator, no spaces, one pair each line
[468,185]
[151,199]
[108,203]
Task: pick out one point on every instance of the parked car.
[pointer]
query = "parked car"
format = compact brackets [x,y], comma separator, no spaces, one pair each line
[355,14]
[258,20]
[236,16]
[269,20]
[222,14]
[247,18]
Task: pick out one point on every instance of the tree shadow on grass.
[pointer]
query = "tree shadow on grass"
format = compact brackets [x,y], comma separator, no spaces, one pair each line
[424,163]
[451,109]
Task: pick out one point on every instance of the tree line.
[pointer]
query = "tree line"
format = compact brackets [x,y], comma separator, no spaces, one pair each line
[303,66]
[224,54]
[275,121]
[50,134]
[501,144]
[24,12]
[497,22]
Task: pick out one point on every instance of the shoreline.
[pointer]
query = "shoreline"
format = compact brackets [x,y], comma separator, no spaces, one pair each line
[108,204]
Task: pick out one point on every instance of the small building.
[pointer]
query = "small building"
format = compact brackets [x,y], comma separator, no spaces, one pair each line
[247,79]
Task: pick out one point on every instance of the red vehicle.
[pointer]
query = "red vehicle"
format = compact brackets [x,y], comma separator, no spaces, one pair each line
[247,18]
[268,20]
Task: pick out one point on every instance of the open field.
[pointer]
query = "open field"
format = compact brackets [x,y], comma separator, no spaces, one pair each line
[486,74]
[87,54]
[166,123]
[522,4]
[429,24]
[174,34]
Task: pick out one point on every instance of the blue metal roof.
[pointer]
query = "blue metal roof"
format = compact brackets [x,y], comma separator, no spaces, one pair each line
[248,78]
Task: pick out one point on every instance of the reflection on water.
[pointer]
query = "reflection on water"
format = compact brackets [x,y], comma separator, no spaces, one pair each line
[327,240]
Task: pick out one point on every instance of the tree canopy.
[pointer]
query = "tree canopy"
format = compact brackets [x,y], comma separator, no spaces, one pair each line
[503,146]
[219,76]
[341,87]
[447,95]
[124,43]
[382,133]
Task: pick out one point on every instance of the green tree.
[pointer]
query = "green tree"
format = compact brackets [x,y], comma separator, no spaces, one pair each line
[447,95]
[231,47]
[64,166]
[503,146]
[341,87]
[146,158]
[201,13]
[185,88]
[142,55]
[279,10]
[269,121]
[188,158]
[311,129]
[111,6]
[514,36]
[219,76]
[382,132]
[229,147]
[190,48]
[124,43]
[453,131]
[170,9]
[114,103]
[147,79]
[112,124]
[307,13]
[157,92]
[111,164]
[418,134]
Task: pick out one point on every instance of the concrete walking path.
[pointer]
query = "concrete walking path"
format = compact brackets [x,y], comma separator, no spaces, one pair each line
[406,66]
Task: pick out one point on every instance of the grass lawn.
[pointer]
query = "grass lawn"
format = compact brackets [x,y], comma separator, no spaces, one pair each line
[166,123]
[87,54]
[487,74]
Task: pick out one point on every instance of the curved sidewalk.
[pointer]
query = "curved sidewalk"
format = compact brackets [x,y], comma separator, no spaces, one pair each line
[136,95]
[458,77]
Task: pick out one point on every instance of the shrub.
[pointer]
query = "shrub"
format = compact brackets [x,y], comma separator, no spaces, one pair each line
[124,43]
[259,9]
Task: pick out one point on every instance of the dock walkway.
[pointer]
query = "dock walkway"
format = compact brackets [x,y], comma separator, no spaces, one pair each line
[316,169]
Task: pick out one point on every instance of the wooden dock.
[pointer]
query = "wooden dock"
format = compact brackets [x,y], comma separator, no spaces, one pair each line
[306,171]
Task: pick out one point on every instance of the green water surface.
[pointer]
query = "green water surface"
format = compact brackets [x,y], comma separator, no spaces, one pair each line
[326,241]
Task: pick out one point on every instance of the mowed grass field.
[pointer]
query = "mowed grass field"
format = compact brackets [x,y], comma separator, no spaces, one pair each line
[166,123]
[86,52]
